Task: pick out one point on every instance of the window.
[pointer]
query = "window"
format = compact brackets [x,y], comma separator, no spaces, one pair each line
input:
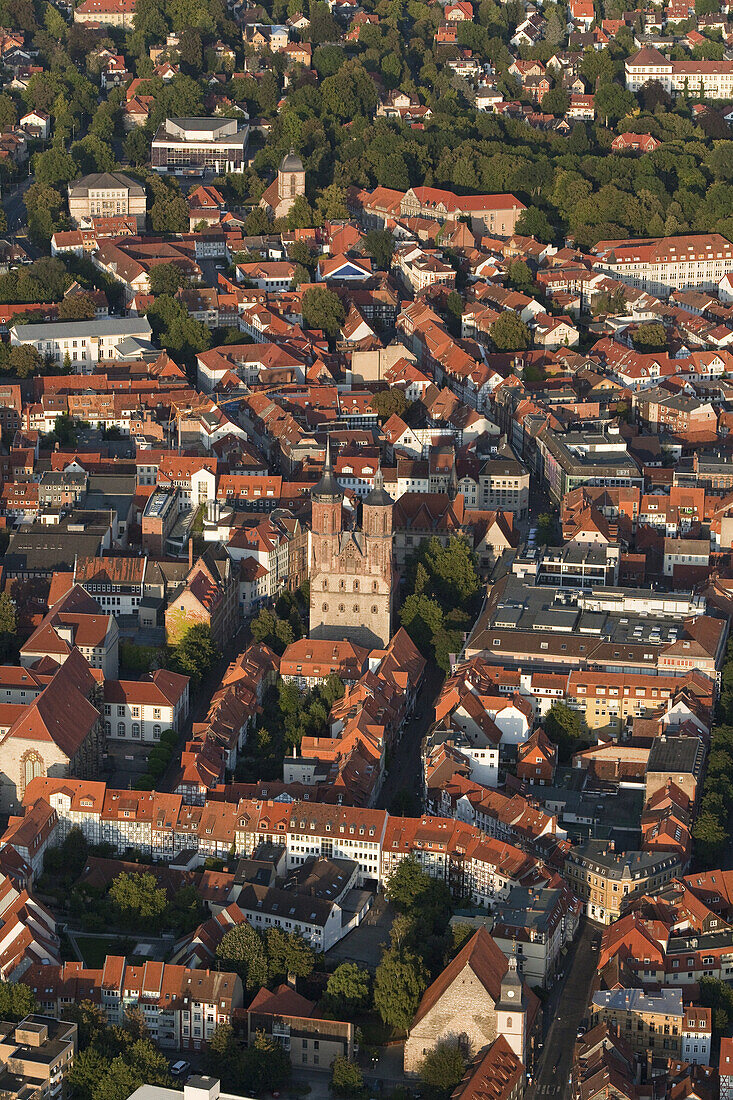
[135,729]
[120,729]
[156,733]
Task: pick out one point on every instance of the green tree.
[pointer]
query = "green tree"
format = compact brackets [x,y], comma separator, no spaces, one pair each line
[509,332]
[267,1066]
[195,654]
[422,618]
[556,101]
[442,1069]
[242,950]
[138,899]
[331,204]
[224,1057]
[77,307]
[166,279]
[16,1001]
[520,276]
[565,728]
[399,983]
[348,989]
[141,1064]
[289,953]
[346,1077]
[322,309]
[651,337]
[24,360]
[389,402]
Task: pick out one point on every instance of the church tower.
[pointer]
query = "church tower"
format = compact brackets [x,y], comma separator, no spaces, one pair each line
[290,182]
[511,1012]
[351,571]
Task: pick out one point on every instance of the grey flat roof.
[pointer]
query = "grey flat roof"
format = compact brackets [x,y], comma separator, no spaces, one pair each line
[110,326]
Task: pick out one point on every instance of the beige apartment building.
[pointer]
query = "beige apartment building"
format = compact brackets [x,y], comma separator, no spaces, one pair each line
[35,1057]
[605,879]
[608,701]
[646,1021]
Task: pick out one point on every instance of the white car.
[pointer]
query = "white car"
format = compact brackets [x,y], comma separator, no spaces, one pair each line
[180,1069]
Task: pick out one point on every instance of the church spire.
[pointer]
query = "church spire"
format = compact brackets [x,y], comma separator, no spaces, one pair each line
[328,487]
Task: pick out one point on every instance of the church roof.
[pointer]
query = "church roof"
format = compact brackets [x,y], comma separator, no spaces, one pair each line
[291,163]
[485,958]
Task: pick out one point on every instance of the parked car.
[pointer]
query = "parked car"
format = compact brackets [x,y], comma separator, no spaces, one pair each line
[180,1069]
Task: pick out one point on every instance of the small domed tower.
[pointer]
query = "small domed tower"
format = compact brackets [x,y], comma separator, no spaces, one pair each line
[377,510]
[290,181]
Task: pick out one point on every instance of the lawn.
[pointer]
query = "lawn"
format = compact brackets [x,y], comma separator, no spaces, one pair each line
[96,948]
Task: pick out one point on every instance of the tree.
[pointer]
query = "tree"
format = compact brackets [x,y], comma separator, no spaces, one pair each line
[613,102]
[533,222]
[242,949]
[408,884]
[443,1068]
[289,953]
[346,1077]
[556,101]
[331,204]
[399,983]
[348,989]
[547,530]
[166,279]
[519,275]
[65,431]
[16,1001]
[565,728]
[651,337]
[509,332]
[24,360]
[141,1064]
[224,1057]
[195,654]
[390,402]
[322,309]
[267,1066]
[77,307]
[138,899]
[137,147]
[169,211]
[422,618]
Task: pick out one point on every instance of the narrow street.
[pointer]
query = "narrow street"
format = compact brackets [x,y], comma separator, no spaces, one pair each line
[405,769]
[552,1080]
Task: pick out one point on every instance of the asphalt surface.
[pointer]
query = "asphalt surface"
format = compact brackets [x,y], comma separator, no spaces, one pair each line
[563,1013]
[14,204]
[404,767]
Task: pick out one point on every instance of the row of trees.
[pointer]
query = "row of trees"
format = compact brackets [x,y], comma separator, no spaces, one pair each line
[262,957]
[287,717]
[443,589]
[133,901]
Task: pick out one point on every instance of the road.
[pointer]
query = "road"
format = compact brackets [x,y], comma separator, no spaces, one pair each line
[405,766]
[564,1011]
[14,206]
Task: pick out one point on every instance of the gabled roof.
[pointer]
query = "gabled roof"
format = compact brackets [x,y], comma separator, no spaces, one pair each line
[487,961]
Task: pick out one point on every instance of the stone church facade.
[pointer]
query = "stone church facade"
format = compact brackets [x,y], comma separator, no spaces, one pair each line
[59,733]
[478,997]
[352,575]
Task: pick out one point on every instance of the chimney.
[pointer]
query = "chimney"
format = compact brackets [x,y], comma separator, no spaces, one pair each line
[190,553]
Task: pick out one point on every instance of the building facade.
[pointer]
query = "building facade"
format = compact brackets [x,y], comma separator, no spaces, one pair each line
[352,571]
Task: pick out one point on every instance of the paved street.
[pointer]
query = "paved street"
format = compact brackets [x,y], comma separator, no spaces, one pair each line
[552,1081]
[13,204]
[405,770]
